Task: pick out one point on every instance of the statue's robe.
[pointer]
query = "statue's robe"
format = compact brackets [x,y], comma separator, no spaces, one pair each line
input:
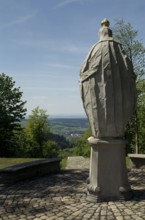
[107,85]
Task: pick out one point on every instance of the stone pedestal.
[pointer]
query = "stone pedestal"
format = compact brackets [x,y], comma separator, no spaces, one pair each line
[108,179]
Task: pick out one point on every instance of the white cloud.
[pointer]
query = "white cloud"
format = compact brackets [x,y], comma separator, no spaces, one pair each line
[66,2]
[18,20]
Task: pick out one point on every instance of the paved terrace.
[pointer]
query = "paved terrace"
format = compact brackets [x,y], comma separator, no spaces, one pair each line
[63,196]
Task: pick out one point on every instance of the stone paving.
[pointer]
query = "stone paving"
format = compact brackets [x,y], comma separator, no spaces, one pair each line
[63,196]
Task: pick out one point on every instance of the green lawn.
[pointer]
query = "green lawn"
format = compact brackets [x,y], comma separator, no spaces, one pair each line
[7,162]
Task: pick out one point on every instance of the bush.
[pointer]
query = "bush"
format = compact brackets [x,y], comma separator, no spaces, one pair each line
[50,149]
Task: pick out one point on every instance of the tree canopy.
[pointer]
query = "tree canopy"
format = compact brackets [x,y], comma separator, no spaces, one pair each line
[39,135]
[134,48]
[12,110]
[128,37]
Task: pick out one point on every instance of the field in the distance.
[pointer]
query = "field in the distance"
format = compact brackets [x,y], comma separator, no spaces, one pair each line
[69,127]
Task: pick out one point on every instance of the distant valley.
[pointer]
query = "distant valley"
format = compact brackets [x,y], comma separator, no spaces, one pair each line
[69,127]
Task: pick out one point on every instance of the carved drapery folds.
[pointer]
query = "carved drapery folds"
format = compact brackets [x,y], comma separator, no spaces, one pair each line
[107,85]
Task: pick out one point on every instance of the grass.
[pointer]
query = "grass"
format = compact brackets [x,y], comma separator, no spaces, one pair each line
[63,163]
[128,162]
[7,162]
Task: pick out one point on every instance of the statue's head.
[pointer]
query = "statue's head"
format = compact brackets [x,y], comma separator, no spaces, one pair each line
[105,22]
[105,32]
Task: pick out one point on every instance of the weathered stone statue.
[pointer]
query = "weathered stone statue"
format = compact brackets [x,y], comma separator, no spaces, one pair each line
[107,84]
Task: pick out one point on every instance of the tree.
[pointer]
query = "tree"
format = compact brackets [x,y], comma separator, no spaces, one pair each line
[141,114]
[61,141]
[50,149]
[135,50]
[82,147]
[127,36]
[11,112]
[38,133]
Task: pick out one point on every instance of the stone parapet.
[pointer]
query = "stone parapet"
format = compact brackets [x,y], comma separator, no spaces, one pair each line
[29,170]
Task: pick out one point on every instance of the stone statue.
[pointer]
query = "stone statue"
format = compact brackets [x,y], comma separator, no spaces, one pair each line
[107,86]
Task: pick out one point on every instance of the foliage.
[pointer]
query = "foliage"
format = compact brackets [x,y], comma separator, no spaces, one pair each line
[135,50]
[38,133]
[65,153]
[24,146]
[36,138]
[50,149]
[61,141]
[141,114]
[130,130]
[127,36]
[63,163]
[82,147]
[130,135]
[11,112]
[25,138]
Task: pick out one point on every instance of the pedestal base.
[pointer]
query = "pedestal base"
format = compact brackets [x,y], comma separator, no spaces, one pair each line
[108,179]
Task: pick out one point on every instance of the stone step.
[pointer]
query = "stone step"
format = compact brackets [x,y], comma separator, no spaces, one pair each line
[78,162]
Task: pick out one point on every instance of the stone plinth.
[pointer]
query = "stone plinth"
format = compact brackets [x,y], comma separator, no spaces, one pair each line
[108,179]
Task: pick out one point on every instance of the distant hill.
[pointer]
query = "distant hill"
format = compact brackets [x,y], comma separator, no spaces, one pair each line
[68,127]
[79,116]
[73,127]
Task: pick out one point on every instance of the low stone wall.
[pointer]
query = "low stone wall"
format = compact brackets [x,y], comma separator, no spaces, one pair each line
[29,170]
[137,160]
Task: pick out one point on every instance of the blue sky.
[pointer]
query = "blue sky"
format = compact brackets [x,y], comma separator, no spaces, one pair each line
[44,42]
